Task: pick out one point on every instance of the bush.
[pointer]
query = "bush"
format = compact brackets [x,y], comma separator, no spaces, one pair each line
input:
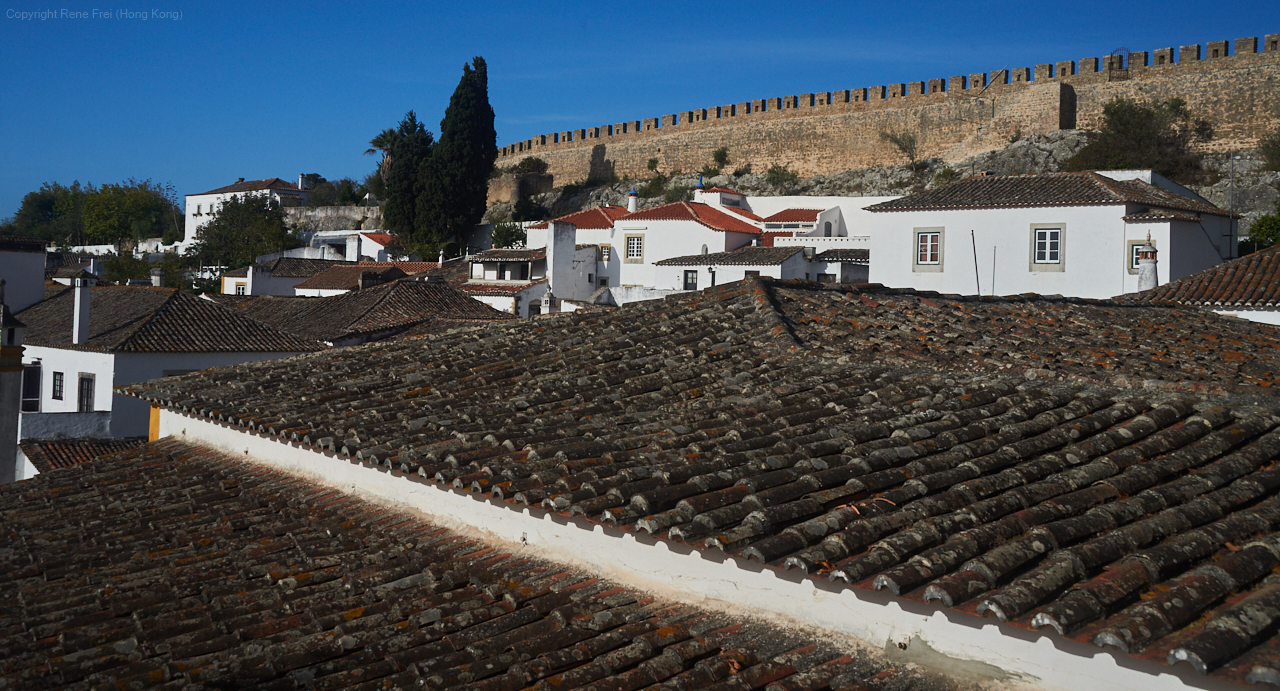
[905,142]
[1155,135]
[528,210]
[744,170]
[655,187]
[945,175]
[653,164]
[1269,148]
[531,165]
[1265,231]
[508,235]
[779,176]
[720,157]
[709,172]
[678,193]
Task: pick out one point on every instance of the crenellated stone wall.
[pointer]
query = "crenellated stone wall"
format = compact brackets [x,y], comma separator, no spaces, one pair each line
[1236,85]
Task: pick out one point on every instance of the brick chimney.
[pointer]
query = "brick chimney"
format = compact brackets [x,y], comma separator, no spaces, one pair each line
[80,314]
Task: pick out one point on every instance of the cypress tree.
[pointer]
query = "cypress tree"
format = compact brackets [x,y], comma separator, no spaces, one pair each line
[455,180]
[409,147]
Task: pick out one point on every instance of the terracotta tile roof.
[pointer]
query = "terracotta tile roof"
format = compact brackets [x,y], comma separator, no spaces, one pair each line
[48,455]
[254,186]
[17,243]
[598,218]
[1043,190]
[499,289]
[746,256]
[1161,216]
[143,319]
[223,574]
[704,214]
[510,254]
[347,277]
[407,267]
[857,256]
[743,213]
[1250,282]
[794,216]
[390,307]
[766,238]
[1064,465]
[296,267]
[383,239]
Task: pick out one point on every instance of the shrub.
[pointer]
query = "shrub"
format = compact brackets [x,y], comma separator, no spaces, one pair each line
[1155,135]
[721,157]
[744,170]
[779,176]
[945,175]
[655,187]
[709,172]
[528,210]
[508,235]
[905,142]
[1265,231]
[678,193]
[531,165]
[653,164]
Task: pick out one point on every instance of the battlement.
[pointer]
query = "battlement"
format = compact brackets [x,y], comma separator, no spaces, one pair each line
[1214,55]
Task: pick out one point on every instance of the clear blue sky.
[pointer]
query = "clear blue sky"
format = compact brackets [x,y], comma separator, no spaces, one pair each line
[260,90]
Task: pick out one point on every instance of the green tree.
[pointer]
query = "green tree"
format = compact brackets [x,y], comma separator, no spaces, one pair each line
[528,210]
[1157,135]
[384,142]
[53,213]
[455,180]
[720,157]
[412,148]
[1265,231]
[131,211]
[530,165]
[1269,149]
[778,176]
[508,234]
[243,228]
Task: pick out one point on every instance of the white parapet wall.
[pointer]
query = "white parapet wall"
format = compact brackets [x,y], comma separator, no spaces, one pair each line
[710,577]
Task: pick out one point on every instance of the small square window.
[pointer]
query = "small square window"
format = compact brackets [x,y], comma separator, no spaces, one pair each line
[750,273]
[691,279]
[1048,249]
[928,248]
[239,289]
[59,382]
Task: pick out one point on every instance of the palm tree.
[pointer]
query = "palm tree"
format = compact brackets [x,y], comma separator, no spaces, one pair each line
[383,142]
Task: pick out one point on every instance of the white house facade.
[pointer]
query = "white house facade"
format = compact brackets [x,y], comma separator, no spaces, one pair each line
[201,207]
[1248,288]
[1073,234]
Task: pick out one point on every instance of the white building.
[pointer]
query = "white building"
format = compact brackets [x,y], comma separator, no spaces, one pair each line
[517,280]
[202,206]
[1073,234]
[345,277]
[1248,288]
[83,341]
[276,277]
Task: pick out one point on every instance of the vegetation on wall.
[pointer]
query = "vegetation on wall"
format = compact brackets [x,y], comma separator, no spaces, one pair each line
[907,144]
[1269,149]
[1159,135]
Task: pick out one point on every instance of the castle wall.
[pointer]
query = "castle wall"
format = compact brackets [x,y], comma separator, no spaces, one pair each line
[1232,84]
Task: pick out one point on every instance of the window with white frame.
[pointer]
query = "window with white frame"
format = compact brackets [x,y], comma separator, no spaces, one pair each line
[239,289]
[635,249]
[606,252]
[928,247]
[59,383]
[1048,246]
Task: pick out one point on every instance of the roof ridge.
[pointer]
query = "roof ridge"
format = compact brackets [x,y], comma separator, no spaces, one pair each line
[150,317]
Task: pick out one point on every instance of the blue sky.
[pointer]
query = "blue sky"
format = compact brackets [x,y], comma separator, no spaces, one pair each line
[259,90]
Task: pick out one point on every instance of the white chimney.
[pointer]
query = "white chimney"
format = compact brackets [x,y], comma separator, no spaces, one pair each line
[157,277]
[300,176]
[80,314]
[633,201]
[560,249]
[1147,278]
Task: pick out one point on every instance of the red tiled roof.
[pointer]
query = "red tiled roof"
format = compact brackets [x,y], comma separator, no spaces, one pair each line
[1043,190]
[253,186]
[794,216]
[745,256]
[347,277]
[383,239]
[766,238]
[499,289]
[704,214]
[743,212]
[143,319]
[1250,281]
[598,218]
[407,267]
[49,454]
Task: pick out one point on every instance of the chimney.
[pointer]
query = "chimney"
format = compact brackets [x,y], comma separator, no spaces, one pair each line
[157,277]
[368,279]
[80,311]
[300,176]
[633,201]
[560,249]
[1147,278]
[240,180]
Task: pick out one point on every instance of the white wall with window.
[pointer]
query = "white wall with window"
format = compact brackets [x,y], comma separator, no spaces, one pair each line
[1080,251]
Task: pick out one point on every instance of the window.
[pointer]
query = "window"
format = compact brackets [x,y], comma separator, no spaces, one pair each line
[604,281]
[606,252]
[31,388]
[1134,247]
[58,385]
[197,209]
[239,289]
[591,278]
[826,278]
[750,273]
[826,229]
[477,270]
[928,248]
[85,400]
[1048,248]
[635,249]
[691,279]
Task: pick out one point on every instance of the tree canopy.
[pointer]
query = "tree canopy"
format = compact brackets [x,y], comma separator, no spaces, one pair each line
[53,213]
[131,211]
[243,228]
[410,149]
[1158,135]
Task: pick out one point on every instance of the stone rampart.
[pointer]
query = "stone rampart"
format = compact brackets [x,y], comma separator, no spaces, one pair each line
[1236,85]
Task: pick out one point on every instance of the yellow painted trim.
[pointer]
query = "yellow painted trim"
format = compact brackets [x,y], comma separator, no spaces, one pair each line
[153,426]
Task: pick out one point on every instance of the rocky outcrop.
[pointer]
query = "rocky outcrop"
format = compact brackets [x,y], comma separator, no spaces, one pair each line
[333,218]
